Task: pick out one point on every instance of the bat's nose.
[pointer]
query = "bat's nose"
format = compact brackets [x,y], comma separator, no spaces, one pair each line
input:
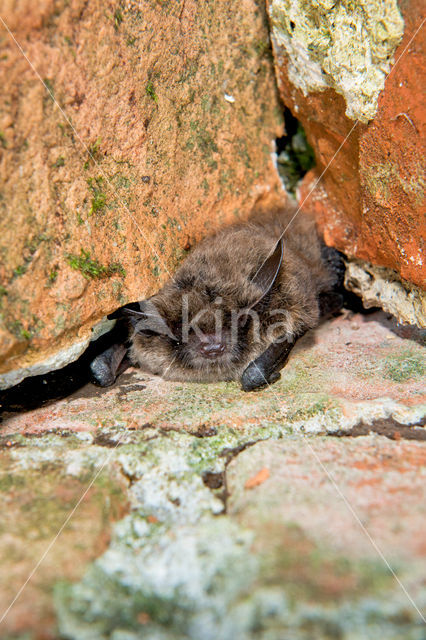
[211,346]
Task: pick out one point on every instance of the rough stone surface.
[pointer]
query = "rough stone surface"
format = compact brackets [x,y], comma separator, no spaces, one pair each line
[380,287]
[234,524]
[39,487]
[57,360]
[343,45]
[370,198]
[161,128]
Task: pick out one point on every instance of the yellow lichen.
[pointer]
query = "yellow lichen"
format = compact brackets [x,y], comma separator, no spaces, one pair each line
[346,45]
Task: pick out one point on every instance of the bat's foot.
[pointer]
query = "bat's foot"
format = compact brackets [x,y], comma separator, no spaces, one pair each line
[101,371]
[107,366]
[334,260]
[254,379]
[330,302]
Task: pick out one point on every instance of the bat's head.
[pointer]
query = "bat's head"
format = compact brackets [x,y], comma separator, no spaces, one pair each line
[206,323]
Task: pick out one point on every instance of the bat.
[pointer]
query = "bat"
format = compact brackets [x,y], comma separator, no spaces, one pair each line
[235,307]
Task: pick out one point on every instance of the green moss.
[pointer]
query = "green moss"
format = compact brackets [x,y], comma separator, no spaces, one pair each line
[99,197]
[32,326]
[118,19]
[126,607]
[9,481]
[98,203]
[3,141]
[52,276]
[262,48]
[3,291]
[404,367]
[203,140]
[20,270]
[92,268]
[313,573]
[59,162]
[305,408]
[122,182]
[242,151]
[94,153]
[150,91]
[49,86]
[115,268]
[15,328]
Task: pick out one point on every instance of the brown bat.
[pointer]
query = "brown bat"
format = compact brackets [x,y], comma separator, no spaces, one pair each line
[235,307]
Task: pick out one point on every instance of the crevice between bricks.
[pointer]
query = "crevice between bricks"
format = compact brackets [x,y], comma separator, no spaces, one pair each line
[217,481]
[387,427]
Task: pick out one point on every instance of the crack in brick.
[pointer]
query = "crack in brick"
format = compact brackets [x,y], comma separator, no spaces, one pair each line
[387,427]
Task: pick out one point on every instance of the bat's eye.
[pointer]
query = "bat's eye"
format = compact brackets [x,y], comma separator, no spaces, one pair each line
[148,333]
[212,293]
[185,281]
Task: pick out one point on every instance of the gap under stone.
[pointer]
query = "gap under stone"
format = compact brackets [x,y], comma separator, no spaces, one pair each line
[295,156]
[37,391]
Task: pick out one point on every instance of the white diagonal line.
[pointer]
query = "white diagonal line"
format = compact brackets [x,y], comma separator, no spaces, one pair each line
[364,529]
[309,194]
[87,149]
[70,515]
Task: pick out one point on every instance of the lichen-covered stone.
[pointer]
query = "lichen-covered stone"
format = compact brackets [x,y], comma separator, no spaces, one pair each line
[367,188]
[40,485]
[229,524]
[344,45]
[380,287]
[161,129]
[179,567]
[268,567]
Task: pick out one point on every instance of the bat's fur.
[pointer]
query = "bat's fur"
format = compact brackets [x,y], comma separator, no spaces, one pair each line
[218,274]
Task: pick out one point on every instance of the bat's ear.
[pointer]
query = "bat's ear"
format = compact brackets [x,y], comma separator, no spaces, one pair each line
[146,319]
[267,273]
